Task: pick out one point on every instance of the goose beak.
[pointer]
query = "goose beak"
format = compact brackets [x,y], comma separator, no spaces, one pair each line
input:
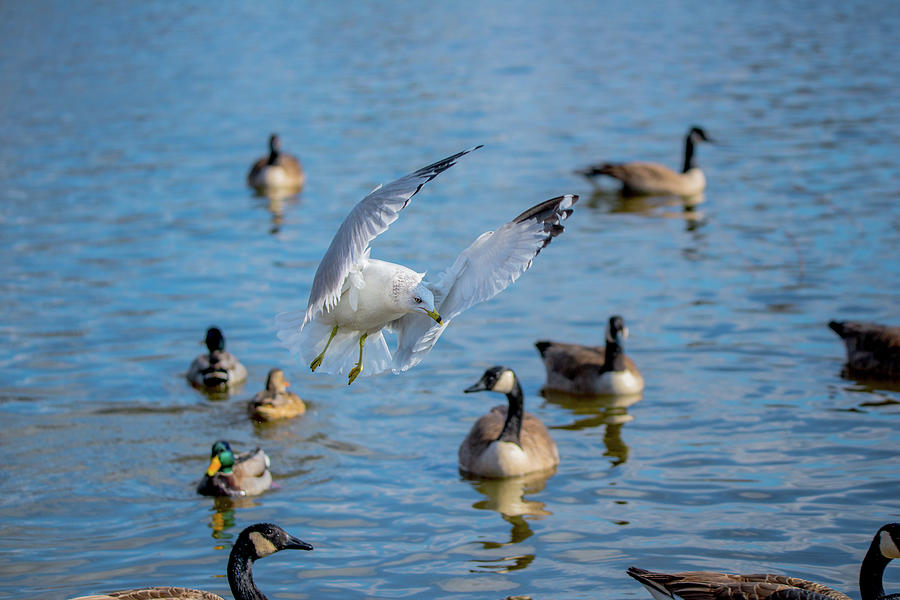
[478,387]
[434,315]
[297,544]
[214,465]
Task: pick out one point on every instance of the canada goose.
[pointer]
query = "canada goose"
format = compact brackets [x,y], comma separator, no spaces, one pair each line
[592,369]
[254,542]
[705,585]
[507,441]
[246,474]
[649,178]
[217,370]
[275,402]
[872,349]
[276,171]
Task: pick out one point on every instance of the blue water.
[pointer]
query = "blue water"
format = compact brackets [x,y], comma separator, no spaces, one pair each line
[126,229]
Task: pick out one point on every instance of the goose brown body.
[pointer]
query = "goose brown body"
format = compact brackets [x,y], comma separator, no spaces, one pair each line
[709,585]
[155,593]
[650,178]
[538,447]
[276,170]
[592,370]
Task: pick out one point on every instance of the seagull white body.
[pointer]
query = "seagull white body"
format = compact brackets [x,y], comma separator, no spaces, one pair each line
[354,297]
[372,306]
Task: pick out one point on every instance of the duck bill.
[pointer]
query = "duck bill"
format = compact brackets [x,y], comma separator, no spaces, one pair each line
[297,544]
[214,465]
[434,315]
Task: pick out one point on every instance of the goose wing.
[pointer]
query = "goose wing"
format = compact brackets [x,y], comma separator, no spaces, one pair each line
[708,585]
[155,593]
[368,219]
[481,271]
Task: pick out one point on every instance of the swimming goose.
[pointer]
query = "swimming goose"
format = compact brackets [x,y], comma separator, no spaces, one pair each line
[507,441]
[649,178]
[277,170]
[592,369]
[704,585]
[872,349]
[275,402]
[254,542]
[217,370]
[246,474]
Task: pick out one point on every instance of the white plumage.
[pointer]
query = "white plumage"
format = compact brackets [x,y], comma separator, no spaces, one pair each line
[354,297]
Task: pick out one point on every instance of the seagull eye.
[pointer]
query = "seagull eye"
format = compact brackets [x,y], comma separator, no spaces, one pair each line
[417,300]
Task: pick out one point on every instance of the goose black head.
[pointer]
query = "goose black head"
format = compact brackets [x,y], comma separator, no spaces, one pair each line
[698,135]
[496,379]
[274,143]
[616,331]
[221,458]
[268,538]
[889,540]
[214,339]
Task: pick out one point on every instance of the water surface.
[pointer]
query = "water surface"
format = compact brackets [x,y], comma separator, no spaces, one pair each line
[126,229]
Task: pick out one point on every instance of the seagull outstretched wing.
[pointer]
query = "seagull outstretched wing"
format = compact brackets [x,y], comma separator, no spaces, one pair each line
[481,271]
[369,218]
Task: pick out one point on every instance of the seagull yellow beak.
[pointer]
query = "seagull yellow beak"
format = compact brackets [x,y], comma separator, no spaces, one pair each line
[434,315]
[214,466]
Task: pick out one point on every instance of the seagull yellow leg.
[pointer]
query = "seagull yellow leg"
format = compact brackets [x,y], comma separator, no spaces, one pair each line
[317,361]
[355,371]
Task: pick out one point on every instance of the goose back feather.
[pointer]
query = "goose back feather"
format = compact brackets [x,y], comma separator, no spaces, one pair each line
[872,348]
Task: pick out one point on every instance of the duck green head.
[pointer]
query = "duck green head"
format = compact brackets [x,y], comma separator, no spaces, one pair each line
[214,339]
[221,459]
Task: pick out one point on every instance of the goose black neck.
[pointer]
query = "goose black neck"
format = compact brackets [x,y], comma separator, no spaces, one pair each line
[240,572]
[871,572]
[512,428]
[614,357]
[688,154]
[273,156]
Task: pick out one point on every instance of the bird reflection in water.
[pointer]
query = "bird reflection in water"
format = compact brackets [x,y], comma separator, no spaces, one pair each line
[594,411]
[275,201]
[613,201]
[507,497]
[223,517]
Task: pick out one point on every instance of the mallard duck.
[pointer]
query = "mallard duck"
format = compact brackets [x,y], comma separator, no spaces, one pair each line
[246,474]
[649,178]
[705,585]
[254,542]
[872,349]
[592,370]
[507,441]
[276,171]
[275,402]
[217,370]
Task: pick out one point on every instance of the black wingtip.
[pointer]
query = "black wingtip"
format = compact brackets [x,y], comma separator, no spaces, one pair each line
[436,168]
[551,213]
[837,327]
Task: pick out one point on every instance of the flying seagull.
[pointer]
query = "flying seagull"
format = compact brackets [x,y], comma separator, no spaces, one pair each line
[354,297]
